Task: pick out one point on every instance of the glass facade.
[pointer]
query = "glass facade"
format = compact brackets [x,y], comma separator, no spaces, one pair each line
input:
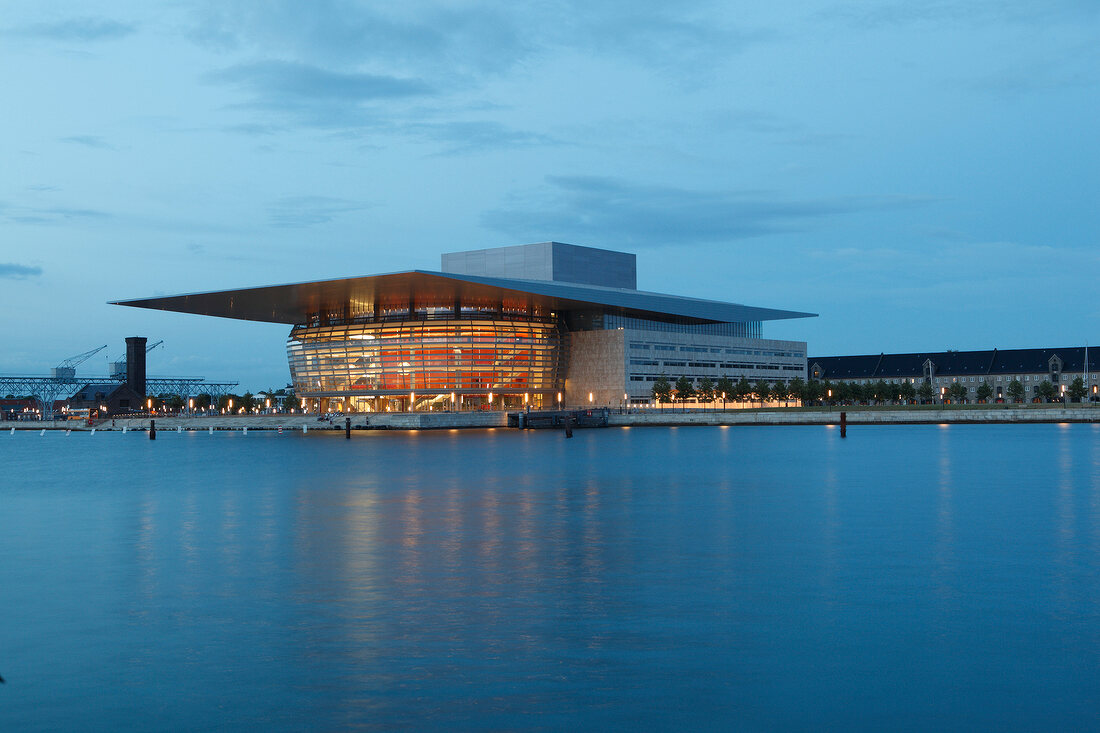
[427,364]
[748,329]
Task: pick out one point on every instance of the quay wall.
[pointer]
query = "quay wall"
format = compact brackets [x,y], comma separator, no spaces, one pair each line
[898,416]
[359,421]
[498,419]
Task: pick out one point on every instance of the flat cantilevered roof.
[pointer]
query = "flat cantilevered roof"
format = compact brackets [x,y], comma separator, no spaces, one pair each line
[294,303]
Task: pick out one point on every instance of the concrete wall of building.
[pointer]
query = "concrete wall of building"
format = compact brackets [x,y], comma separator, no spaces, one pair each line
[596,365]
[547,261]
[672,361]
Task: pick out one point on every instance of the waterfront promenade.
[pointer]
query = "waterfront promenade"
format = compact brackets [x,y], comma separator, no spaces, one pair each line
[859,415]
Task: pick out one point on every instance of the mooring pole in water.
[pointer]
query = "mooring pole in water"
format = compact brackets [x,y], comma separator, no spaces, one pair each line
[844,425]
[347,428]
[152,430]
[569,426]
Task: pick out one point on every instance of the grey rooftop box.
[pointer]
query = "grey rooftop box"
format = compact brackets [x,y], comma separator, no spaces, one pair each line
[553,261]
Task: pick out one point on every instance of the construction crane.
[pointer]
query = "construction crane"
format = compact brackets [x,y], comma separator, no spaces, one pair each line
[118,366]
[67,368]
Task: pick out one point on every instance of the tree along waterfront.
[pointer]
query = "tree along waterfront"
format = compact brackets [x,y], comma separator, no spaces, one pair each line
[825,393]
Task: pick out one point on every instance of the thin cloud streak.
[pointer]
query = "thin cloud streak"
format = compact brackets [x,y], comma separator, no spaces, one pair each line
[15,271]
[463,137]
[49,215]
[613,211]
[89,28]
[955,12]
[313,96]
[89,141]
[277,81]
[295,212]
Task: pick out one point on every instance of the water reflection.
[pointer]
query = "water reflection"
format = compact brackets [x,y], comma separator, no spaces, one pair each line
[685,578]
[1065,513]
[831,520]
[944,550]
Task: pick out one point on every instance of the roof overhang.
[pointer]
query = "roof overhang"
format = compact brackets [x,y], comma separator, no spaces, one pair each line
[294,303]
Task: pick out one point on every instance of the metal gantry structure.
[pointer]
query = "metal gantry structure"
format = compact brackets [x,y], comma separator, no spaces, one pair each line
[47,390]
[187,387]
[63,383]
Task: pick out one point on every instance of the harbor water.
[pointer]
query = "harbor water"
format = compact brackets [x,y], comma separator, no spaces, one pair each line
[747,578]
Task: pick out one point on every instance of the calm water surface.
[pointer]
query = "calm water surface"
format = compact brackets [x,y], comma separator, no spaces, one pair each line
[906,578]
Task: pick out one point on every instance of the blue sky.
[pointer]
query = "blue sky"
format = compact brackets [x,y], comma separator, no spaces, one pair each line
[923,175]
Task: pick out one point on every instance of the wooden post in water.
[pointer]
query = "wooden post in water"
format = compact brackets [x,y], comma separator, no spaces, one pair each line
[844,424]
[152,430]
[347,428]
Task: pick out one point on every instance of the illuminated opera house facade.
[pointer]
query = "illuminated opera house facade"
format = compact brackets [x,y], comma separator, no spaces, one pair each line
[537,325]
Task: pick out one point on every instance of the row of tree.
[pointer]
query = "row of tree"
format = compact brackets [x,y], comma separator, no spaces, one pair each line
[725,389]
[282,399]
[826,392]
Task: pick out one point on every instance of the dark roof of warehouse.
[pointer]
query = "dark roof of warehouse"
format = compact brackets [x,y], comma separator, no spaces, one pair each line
[953,363]
[294,303]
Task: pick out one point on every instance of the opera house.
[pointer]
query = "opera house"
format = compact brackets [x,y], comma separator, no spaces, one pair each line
[537,325]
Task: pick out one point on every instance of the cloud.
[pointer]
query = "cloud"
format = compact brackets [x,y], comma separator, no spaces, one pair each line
[430,36]
[670,37]
[464,43]
[90,141]
[477,136]
[625,214]
[48,214]
[13,271]
[76,29]
[253,129]
[278,81]
[983,12]
[302,211]
[345,65]
[316,96]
